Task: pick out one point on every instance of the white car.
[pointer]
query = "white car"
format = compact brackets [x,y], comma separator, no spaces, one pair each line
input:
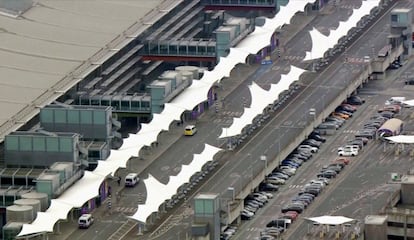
[288,169]
[348,152]
[268,195]
[349,147]
[277,181]
[319,182]
[247,213]
[309,148]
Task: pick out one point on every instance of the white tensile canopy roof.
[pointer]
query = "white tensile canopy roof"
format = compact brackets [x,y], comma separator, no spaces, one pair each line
[75,196]
[157,192]
[401,138]
[260,99]
[409,102]
[321,43]
[331,220]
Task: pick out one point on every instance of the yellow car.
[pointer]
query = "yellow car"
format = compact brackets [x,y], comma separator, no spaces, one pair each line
[190,130]
[341,115]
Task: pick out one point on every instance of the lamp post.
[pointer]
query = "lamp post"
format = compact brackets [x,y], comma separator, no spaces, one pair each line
[233,195]
[312,112]
[264,159]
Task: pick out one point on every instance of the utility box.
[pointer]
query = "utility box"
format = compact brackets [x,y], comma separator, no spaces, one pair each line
[48,183]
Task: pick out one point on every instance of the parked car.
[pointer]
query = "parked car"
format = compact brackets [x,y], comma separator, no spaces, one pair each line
[278,175]
[268,187]
[355,100]
[308,147]
[327,174]
[288,169]
[349,147]
[341,115]
[278,223]
[346,107]
[345,112]
[298,156]
[345,161]
[349,106]
[387,114]
[246,215]
[390,108]
[335,120]
[357,142]
[292,215]
[316,181]
[292,207]
[348,152]
[317,137]
[312,143]
[275,180]
[366,133]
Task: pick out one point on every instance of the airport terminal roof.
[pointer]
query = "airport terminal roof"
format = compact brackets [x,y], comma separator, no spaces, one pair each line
[47,46]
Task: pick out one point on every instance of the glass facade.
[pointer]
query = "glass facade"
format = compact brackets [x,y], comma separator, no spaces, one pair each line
[36,143]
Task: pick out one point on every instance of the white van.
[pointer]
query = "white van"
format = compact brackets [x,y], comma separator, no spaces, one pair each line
[85,220]
[395,100]
[131,179]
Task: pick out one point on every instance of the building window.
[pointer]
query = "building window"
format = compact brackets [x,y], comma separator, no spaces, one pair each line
[46,116]
[394,18]
[12,143]
[39,144]
[396,224]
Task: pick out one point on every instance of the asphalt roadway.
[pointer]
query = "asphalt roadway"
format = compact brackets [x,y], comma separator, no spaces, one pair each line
[241,164]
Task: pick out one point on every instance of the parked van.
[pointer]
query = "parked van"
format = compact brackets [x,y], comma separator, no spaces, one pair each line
[131,179]
[395,100]
[85,220]
[190,130]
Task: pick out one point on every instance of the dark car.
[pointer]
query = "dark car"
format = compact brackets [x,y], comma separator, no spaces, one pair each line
[345,108]
[357,142]
[317,137]
[387,114]
[394,66]
[280,222]
[298,156]
[312,143]
[311,191]
[268,187]
[409,82]
[292,207]
[307,154]
[364,140]
[355,100]
[366,133]
[327,174]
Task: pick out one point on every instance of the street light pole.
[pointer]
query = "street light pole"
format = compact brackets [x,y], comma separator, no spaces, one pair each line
[264,158]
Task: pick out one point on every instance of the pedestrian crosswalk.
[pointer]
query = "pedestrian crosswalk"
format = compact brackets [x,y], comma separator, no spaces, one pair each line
[295,186]
[254,229]
[348,6]
[292,58]
[226,122]
[350,131]
[126,209]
